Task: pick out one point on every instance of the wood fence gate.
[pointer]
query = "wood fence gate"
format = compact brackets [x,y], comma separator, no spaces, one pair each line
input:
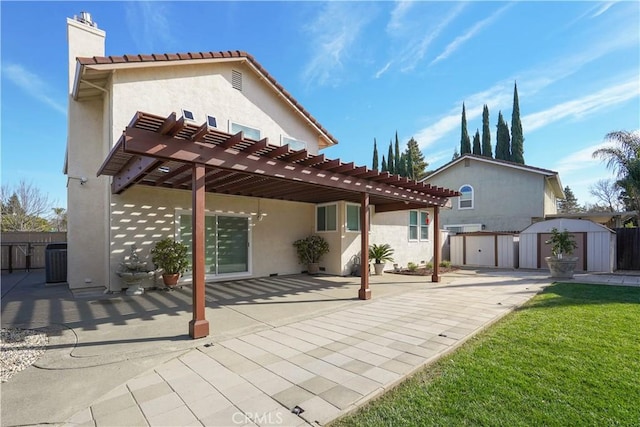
[628,248]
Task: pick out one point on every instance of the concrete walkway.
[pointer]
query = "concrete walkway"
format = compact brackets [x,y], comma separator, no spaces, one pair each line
[278,345]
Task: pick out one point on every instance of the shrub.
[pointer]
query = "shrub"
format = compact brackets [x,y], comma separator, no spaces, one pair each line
[412,266]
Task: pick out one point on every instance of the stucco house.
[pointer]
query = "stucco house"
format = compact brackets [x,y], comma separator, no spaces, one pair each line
[496,195]
[210,149]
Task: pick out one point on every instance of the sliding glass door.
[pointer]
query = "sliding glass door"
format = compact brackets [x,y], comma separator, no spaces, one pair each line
[226,242]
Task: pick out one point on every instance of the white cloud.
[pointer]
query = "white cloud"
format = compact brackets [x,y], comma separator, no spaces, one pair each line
[460,40]
[579,160]
[581,107]
[602,9]
[333,35]
[149,25]
[398,15]
[383,70]
[32,84]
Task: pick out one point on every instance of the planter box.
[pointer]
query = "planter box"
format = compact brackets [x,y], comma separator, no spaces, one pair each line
[562,268]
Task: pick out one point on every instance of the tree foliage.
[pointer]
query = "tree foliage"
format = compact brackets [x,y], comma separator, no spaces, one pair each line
[476,143]
[623,158]
[384,167]
[486,133]
[570,203]
[607,194]
[397,165]
[374,163]
[517,138]
[391,163]
[465,142]
[24,208]
[502,136]
[419,164]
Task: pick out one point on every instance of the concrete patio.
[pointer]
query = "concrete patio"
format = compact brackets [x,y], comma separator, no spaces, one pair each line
[276,344]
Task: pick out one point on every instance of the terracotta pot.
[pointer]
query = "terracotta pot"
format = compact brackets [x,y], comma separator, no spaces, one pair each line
[170,280]
[313,268]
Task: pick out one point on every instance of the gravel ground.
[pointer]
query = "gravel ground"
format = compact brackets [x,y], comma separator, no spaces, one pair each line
[20,348]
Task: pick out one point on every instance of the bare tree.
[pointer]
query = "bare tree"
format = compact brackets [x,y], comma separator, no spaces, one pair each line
[24,208]
[607,192]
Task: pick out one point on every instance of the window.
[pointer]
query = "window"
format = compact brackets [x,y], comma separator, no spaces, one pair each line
[353,217]
[326,218]
[226,242]
[418,226]
[247,131]
[294,144]
[466,197]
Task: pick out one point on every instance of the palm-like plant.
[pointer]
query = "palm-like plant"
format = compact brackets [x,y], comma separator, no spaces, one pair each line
[624,159]
[381,253]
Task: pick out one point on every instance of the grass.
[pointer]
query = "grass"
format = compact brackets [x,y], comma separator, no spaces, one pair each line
[570,357]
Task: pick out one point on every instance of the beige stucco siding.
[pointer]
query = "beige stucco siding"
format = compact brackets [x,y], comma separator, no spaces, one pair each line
[144,215]
[505,199]
[550,201]
[206,89]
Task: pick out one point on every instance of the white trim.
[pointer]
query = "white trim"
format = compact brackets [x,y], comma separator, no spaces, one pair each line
[419,226]
[231,123]
[473,197]
[346,218]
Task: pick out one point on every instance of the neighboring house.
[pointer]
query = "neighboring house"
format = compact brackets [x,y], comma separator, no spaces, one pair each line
[496,195]
[148,133]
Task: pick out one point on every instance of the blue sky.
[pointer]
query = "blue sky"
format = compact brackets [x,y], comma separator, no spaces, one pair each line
[364,69]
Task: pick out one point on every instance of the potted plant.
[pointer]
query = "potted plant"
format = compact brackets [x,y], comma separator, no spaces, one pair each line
[381,254]
[561,264]
[170,256]
[310,250]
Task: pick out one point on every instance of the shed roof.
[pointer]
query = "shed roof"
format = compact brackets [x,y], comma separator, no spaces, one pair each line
[571,225]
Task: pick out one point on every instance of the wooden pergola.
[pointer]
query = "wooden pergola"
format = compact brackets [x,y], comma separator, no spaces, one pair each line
[171,152]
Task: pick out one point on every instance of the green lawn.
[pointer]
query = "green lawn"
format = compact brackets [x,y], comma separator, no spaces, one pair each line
[570,357]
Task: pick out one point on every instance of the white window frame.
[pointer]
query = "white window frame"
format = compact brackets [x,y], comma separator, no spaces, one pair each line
[245,130]
[346,218]
[419,226]
[294,144]
[473,196]
[324,205]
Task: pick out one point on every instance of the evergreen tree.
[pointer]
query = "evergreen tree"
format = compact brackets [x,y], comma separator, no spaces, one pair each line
[390,160]
[455,155]
[409,155]
[397,158]
[476,143]
[402,165]
[517,139]
[486,133]
[570,203]
[384,165]
[374,166]
[418,163]
[465,142]
[502,145]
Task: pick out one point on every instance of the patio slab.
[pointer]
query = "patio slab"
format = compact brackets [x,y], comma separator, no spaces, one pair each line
[132,359]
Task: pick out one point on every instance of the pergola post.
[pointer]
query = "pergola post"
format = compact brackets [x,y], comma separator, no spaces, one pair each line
[435,277]
[198,326]
[364,292]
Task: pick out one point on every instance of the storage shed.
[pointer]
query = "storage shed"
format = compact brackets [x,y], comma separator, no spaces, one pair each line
[484,249]
[596,249]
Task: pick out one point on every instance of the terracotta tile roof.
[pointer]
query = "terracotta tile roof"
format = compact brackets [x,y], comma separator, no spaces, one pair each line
[190,56]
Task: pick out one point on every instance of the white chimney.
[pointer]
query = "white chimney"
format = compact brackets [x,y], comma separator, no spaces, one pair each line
[84,39]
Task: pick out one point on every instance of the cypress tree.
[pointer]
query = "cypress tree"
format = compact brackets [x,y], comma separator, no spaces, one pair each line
[502,146]
[517,138]
[486,133]
[402,165]
[374,166]
[384,165]
[390,161]
[418,164]
[476,143]
[397,165]
[465,142]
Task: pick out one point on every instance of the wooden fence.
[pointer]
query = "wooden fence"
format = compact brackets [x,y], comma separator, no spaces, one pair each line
[628,248]
[26,250]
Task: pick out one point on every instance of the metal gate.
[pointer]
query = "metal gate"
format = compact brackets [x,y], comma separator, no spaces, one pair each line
[628,248]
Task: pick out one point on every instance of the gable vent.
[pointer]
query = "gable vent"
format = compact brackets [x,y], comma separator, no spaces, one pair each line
[236,80]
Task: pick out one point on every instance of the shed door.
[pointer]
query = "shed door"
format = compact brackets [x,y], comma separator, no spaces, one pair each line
[481,251]
[544,250]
